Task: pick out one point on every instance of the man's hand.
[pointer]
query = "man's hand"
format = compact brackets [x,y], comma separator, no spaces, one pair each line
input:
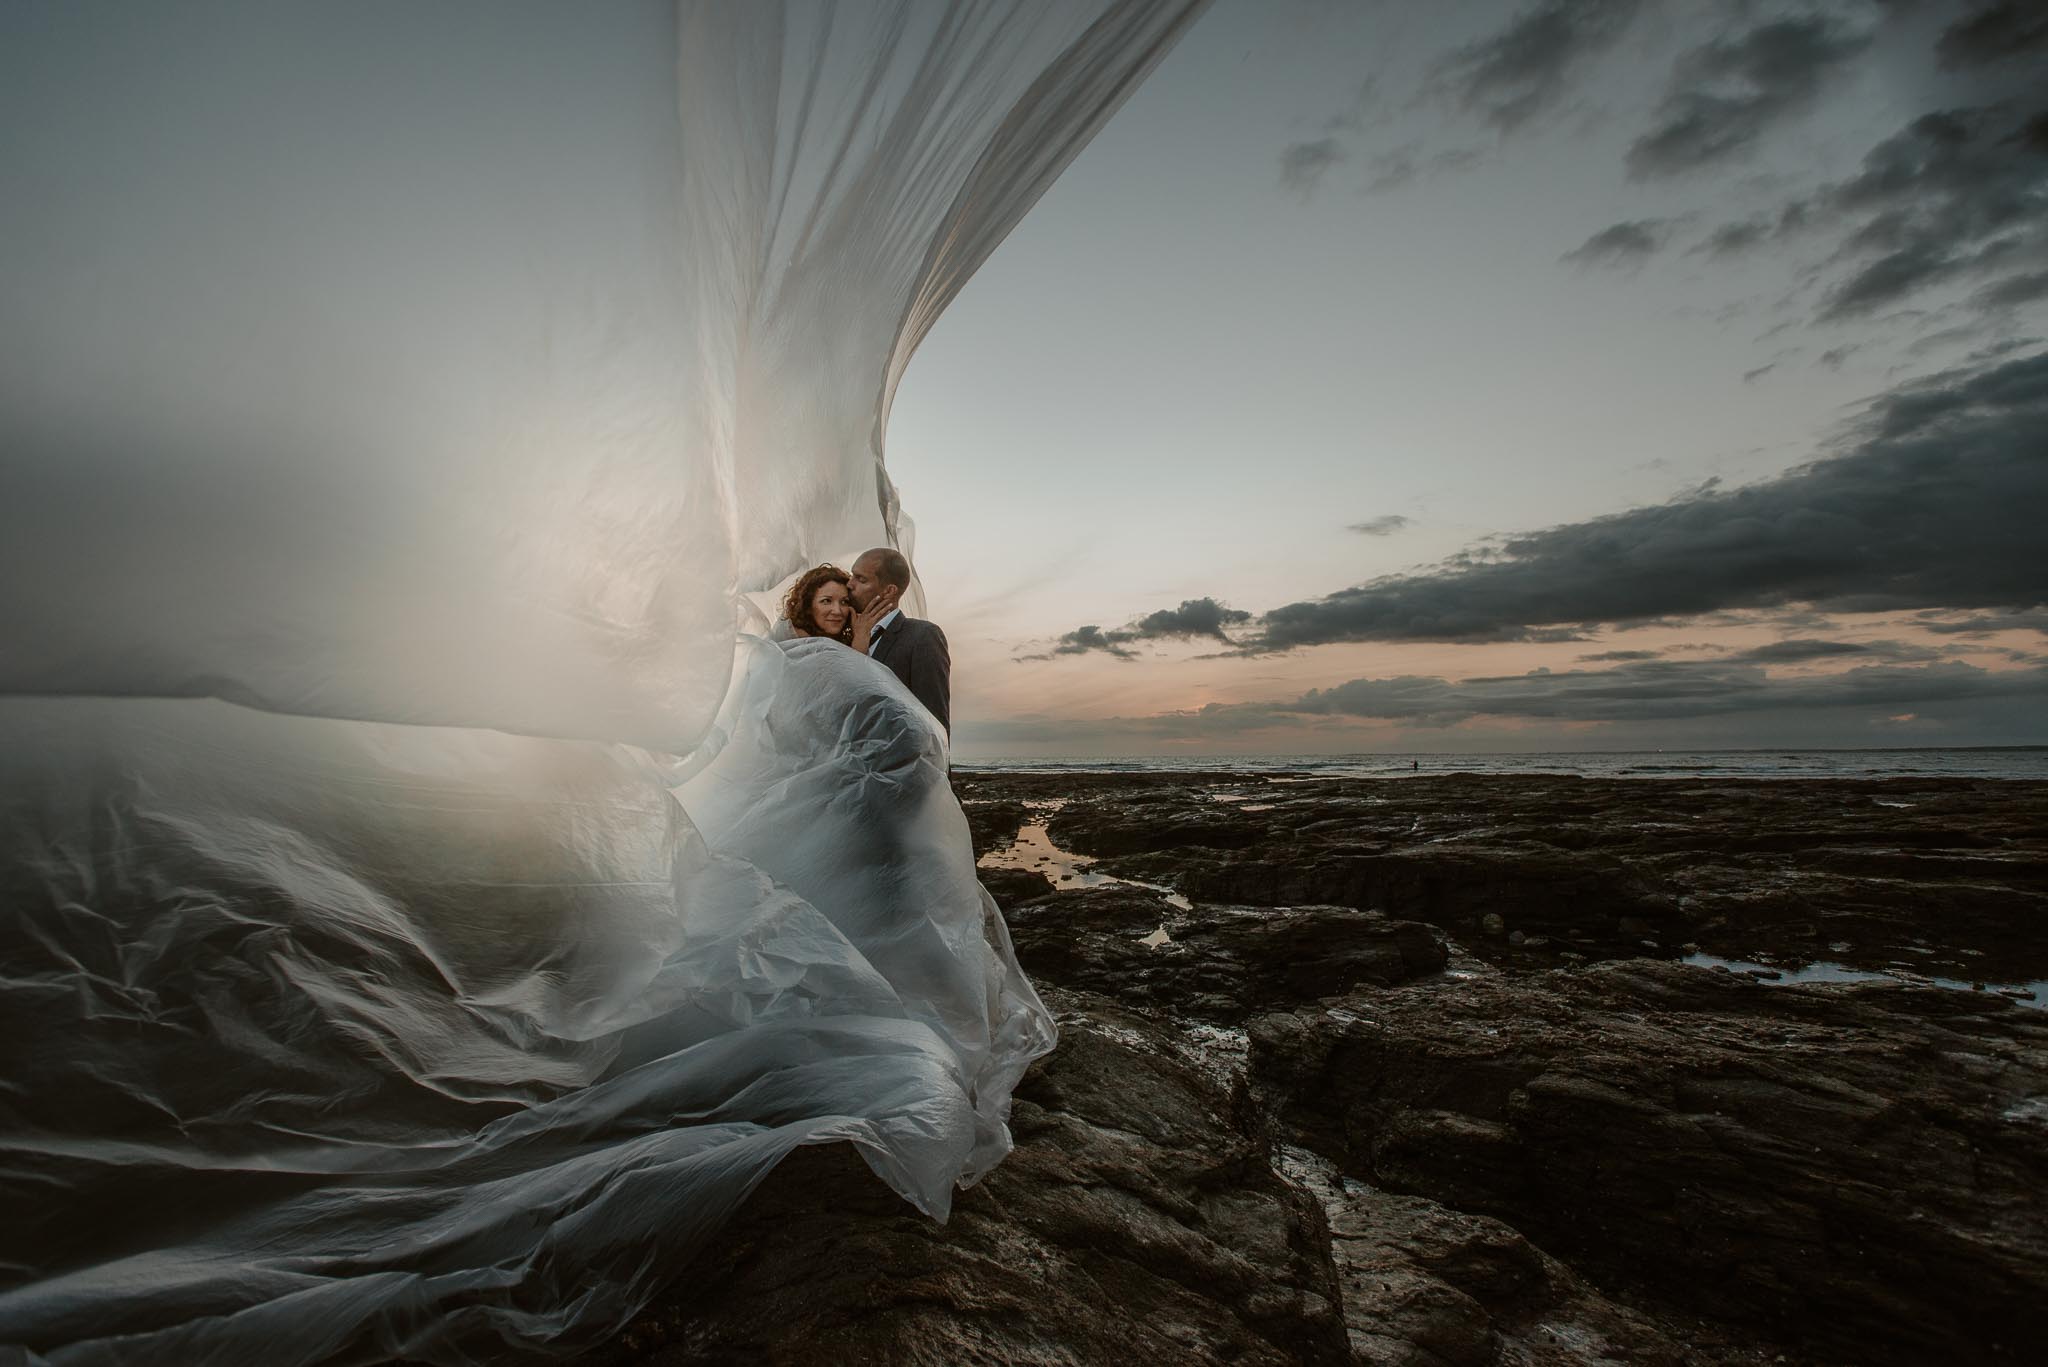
[880,606]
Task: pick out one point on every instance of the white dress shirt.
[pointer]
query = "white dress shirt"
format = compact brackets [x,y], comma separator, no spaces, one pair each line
[875,632]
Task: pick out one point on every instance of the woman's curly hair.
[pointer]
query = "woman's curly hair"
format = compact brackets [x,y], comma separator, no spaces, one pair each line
[796,605]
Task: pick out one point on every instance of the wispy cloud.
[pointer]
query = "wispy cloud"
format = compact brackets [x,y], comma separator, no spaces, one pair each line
[1381,526]
[1624,244]
[1526,69]
[1954,195]
[1725,95]
[1993,34]
[1391,170]
[1304,164]
[1507,79]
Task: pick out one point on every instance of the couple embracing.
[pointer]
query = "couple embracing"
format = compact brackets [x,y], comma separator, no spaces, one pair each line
[861,608]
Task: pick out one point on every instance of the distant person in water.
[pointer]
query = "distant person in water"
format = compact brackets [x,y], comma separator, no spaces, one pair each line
[914,651]
[819,604]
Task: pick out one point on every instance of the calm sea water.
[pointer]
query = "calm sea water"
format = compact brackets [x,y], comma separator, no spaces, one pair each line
[2022,762]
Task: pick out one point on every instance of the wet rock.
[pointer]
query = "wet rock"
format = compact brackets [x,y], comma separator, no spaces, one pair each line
[1423,1283]
[1941,873]
[1012,887]
[1222,963]
[1155,821]
[1137,1221]
[1580,900]
[1850,1168]
[994,822]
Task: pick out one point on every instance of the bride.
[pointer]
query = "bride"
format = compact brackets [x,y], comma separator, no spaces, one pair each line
[820,603]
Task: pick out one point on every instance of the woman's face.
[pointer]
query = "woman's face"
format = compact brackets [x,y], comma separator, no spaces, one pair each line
[830,608]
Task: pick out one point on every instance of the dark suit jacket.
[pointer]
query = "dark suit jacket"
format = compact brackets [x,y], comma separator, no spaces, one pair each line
[916,653]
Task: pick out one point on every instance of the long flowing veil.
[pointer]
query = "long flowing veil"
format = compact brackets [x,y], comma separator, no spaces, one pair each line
[429,906]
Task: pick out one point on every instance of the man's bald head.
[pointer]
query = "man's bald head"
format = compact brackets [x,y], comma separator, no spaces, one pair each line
[887,565]
[880,575]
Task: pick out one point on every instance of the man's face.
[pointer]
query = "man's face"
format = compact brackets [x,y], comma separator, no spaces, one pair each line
[866,588]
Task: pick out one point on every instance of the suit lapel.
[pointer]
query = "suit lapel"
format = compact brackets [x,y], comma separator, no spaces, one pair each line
[892,636]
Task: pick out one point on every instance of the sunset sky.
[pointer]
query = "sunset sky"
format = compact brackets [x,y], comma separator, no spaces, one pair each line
[1584,374]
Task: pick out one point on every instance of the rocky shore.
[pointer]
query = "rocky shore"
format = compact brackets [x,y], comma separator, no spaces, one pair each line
[1466,1070]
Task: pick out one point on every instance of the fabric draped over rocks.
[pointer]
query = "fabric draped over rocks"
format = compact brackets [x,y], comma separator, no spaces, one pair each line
[430,905]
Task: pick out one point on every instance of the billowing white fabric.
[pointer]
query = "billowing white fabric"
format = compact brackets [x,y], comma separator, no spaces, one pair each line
[440,380]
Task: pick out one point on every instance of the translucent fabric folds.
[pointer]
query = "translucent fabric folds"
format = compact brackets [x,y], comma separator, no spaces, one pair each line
[426,914]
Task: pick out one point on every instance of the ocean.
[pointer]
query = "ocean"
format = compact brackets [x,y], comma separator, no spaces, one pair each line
[2005,762]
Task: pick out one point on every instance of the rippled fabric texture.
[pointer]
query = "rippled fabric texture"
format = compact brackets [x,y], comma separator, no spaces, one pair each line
[426,912]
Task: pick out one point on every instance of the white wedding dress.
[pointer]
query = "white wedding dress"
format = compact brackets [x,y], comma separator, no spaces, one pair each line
[425,912]
[335,1042]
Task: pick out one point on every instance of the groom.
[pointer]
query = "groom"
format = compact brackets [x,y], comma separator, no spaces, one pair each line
[915,651]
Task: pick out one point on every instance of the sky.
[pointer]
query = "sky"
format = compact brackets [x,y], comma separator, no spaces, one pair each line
[1584,374]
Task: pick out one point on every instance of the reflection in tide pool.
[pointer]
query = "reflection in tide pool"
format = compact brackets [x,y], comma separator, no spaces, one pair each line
[2034,994]
[1033,850]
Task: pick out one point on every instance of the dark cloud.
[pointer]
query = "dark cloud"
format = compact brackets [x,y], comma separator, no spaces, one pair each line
[1624,244]
[1954,197]
[1803,648]
[1082,640]
[1936,505]
[1731,239]
[1614,656]
[1978,624]
[1648,692]
[1658,690]
[1995,34]
[2013,292]
[1807,648]
[1526,69]
[1194,618]
[2002,347]
[1304,164]
[1725,95]
[1381,526]
[1790,619]
[1957,195]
